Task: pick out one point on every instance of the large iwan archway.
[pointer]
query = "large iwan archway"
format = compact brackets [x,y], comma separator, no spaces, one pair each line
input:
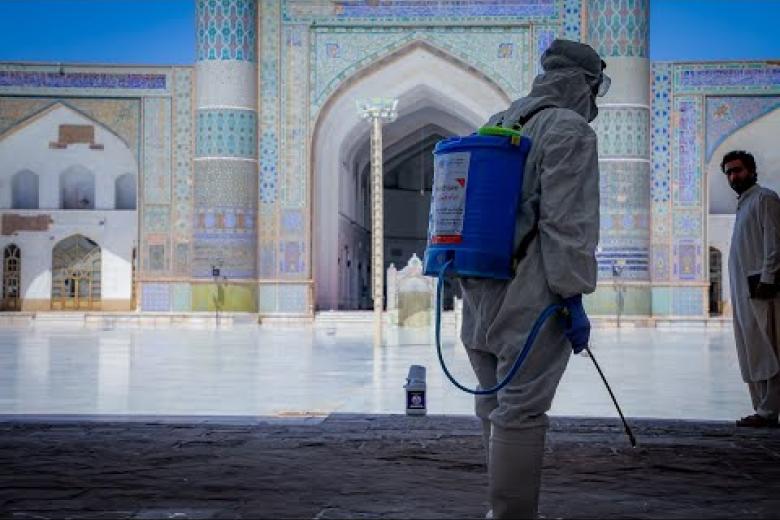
[438,96]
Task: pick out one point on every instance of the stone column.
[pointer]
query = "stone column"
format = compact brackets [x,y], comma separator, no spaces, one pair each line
[226,170]
[619,31]
[377,111]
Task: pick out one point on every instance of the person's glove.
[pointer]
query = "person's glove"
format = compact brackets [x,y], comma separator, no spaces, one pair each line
[577,323]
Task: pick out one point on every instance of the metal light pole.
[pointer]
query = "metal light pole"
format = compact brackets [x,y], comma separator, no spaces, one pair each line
[377,111]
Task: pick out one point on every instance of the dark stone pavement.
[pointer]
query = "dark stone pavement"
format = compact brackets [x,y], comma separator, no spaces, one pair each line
[358,466]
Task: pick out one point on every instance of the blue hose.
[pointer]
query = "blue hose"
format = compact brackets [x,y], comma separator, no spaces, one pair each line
[540,321]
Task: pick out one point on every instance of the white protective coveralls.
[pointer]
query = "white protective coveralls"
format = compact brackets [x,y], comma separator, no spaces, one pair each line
[755,249]
[556,236]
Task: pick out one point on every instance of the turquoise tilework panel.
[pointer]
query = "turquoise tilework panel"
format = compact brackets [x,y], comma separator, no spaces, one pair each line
[293,146]
[226,133]
[688,301]
[269,102]
[293,299]
[225,184]
[182,297]
[619,27]
[157,219]
[572,22]
[661,123]
[157,150]
[687,152]
[623,132]
[544,37]
[155,297]
[662,301]
[401,12]
[183,126]
[226,30]
[503,53]
[727,78]
[604,301]
[267,296]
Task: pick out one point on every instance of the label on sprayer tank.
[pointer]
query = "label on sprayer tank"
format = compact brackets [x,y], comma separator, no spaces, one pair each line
[448,205]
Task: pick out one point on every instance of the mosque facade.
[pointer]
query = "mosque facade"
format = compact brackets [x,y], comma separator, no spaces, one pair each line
[242,182]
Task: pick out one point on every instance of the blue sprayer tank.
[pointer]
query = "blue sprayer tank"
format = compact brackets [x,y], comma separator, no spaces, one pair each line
[477,186]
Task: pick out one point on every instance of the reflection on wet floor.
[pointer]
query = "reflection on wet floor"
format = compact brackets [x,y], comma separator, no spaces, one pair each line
[250,370]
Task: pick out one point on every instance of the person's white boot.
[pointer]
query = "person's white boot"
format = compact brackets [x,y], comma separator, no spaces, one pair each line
[515,471]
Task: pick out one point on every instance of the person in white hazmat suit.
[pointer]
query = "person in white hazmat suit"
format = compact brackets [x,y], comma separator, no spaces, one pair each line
[754,267]
[557,230]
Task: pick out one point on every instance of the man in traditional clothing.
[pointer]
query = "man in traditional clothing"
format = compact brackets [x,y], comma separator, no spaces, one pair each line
[754,274]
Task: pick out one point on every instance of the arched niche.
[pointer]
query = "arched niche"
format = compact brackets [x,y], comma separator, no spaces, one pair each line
[125,192]
[24,190]
[77,188]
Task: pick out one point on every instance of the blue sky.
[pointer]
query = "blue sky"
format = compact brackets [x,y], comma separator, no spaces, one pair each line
[162,31]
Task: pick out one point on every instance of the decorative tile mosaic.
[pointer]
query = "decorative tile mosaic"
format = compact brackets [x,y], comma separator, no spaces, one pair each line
[726,115]
[182,168]
[235,251]
[688,223]
[661,221]
[224,221]
[269,101]
[293,222]
[686,152]
[293,299]
[475,46]
[661,109]
[157,260]
[661,262]
[157,151]
[226,133]
[687,301]
[225,183]
[623,132]
[226,30]
[17,79]
[295,132]
[155,297]
[291,257]
[619,27]
[634,262]
[267,259]
[157,218]
[726,78]
[181,258]
[687,260]
[625,201]
[572,20]
[544,37]
[406,12]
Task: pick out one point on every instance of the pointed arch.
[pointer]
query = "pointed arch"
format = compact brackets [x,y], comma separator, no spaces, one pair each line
[12,278]
[422,77]
[76,273]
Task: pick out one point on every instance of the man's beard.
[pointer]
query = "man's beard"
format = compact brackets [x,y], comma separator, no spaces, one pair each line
[742,186]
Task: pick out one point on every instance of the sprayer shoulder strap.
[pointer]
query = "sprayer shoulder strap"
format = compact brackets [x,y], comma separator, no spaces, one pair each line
[526,118]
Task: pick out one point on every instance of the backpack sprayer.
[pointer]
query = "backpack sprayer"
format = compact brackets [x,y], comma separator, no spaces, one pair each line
[477,186]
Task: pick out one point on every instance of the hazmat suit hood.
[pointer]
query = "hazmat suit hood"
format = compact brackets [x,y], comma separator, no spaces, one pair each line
[572,74]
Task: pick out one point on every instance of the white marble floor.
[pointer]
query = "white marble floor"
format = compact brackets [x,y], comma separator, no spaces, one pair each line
[250,370]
